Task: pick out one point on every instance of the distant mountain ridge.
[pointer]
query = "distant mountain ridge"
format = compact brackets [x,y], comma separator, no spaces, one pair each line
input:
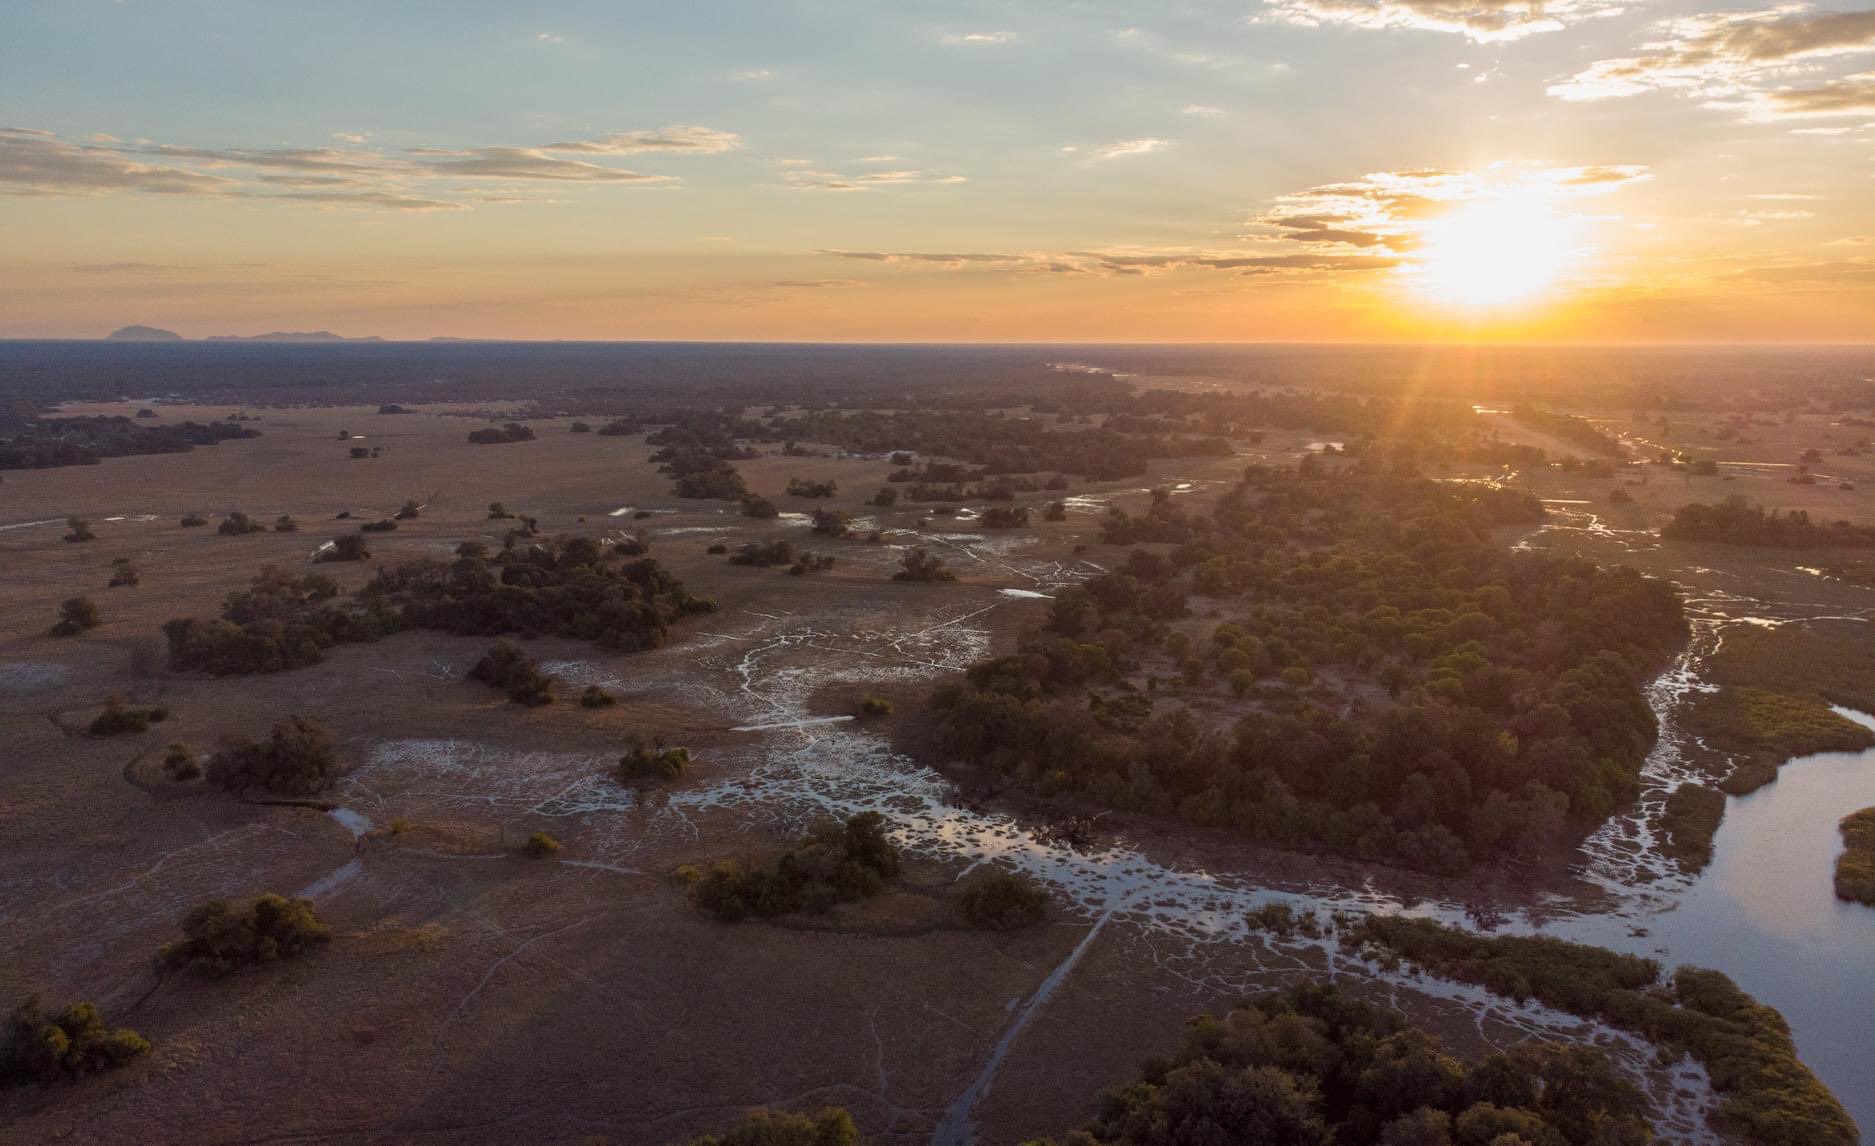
[135,333]
[290,336]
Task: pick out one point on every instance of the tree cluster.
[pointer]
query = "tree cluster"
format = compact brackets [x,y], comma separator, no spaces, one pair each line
[1406,688]
[220,938]
[46,443]
[37,1047]
[836,863]
[1312,1066]
[1735,522]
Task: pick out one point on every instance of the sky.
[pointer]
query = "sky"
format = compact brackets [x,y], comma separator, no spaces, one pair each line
[1556,171]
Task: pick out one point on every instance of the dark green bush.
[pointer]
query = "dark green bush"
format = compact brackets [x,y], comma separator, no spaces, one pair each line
[650,761]
[830,1127]
[1003,901]
[298,758]
[505,666]
[220,938]
[835,863]
[119,718]
[76,614]
[596,697]
[39,1048]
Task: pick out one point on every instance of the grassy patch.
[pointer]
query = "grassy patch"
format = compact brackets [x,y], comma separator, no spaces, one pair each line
[1691,819]
[1761,730]
[1768,1097]
[1855,867]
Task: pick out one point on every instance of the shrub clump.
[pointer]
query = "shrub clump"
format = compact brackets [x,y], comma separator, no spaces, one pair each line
[119,718]
[874,706]
[220,938]
[180,764]
[540,845]
[124,573]
[238,524]
[919,565]
[762,554]
[1855,867]
[835,863]
[506,667]
[192,520]
[1004,901]
[344,547]
[650,761]
[76,614]
[80,530]
[832,1126]
[298,758]
[1690,820]
[36,1047]
[497,435]
[596,697]
[801,487]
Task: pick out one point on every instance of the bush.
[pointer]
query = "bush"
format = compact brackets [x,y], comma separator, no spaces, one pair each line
[717,549]
[832,522]
[118,719]
[238,524]
[76,614]
[345,547]
[1619,496]
[359,452]
[835,863]
[886,498]
[596,697]
[124,574]
[1056,511]
[180,763]
[832,1126]
[191,520]
[220,938]
[498,512]
[651,762]
[801,487]
[385,525]
[920,566]
[759,507]
[285,524]
[298,758]
[39,1048]
[408,511]
[1005,517]
[763,554]
[811,562]
[579,428]
[507,667]
[540,845]
[1003,901]
[874,706]
[511,432]
[80,530]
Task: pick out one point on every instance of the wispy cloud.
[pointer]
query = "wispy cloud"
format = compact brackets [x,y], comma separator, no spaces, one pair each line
[683,139]
[1744,61]
[802,179]
[1127,147]
[1484,21]
[1203,111]
[977,39]
[752,75]
[36,162]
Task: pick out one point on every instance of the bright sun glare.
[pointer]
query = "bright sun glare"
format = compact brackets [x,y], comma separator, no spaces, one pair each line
[1494,252]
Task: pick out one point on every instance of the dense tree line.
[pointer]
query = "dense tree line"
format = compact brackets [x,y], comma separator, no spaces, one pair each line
[569,587]
[1407,688]
[1735,522]
[1312,1066]
[45,443]
[1575,430]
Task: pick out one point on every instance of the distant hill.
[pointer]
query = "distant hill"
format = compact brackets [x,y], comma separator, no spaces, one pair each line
[290,336]
[142,334]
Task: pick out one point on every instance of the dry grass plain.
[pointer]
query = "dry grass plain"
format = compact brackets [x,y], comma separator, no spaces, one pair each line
[474,995]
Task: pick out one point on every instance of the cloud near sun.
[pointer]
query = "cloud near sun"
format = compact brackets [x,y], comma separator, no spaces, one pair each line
[418,179]
[1473,238]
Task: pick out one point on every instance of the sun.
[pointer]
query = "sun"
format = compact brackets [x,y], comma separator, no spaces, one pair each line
[1497,252]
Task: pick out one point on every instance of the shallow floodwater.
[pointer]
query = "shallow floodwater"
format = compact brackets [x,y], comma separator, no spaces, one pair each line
[1765,912]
